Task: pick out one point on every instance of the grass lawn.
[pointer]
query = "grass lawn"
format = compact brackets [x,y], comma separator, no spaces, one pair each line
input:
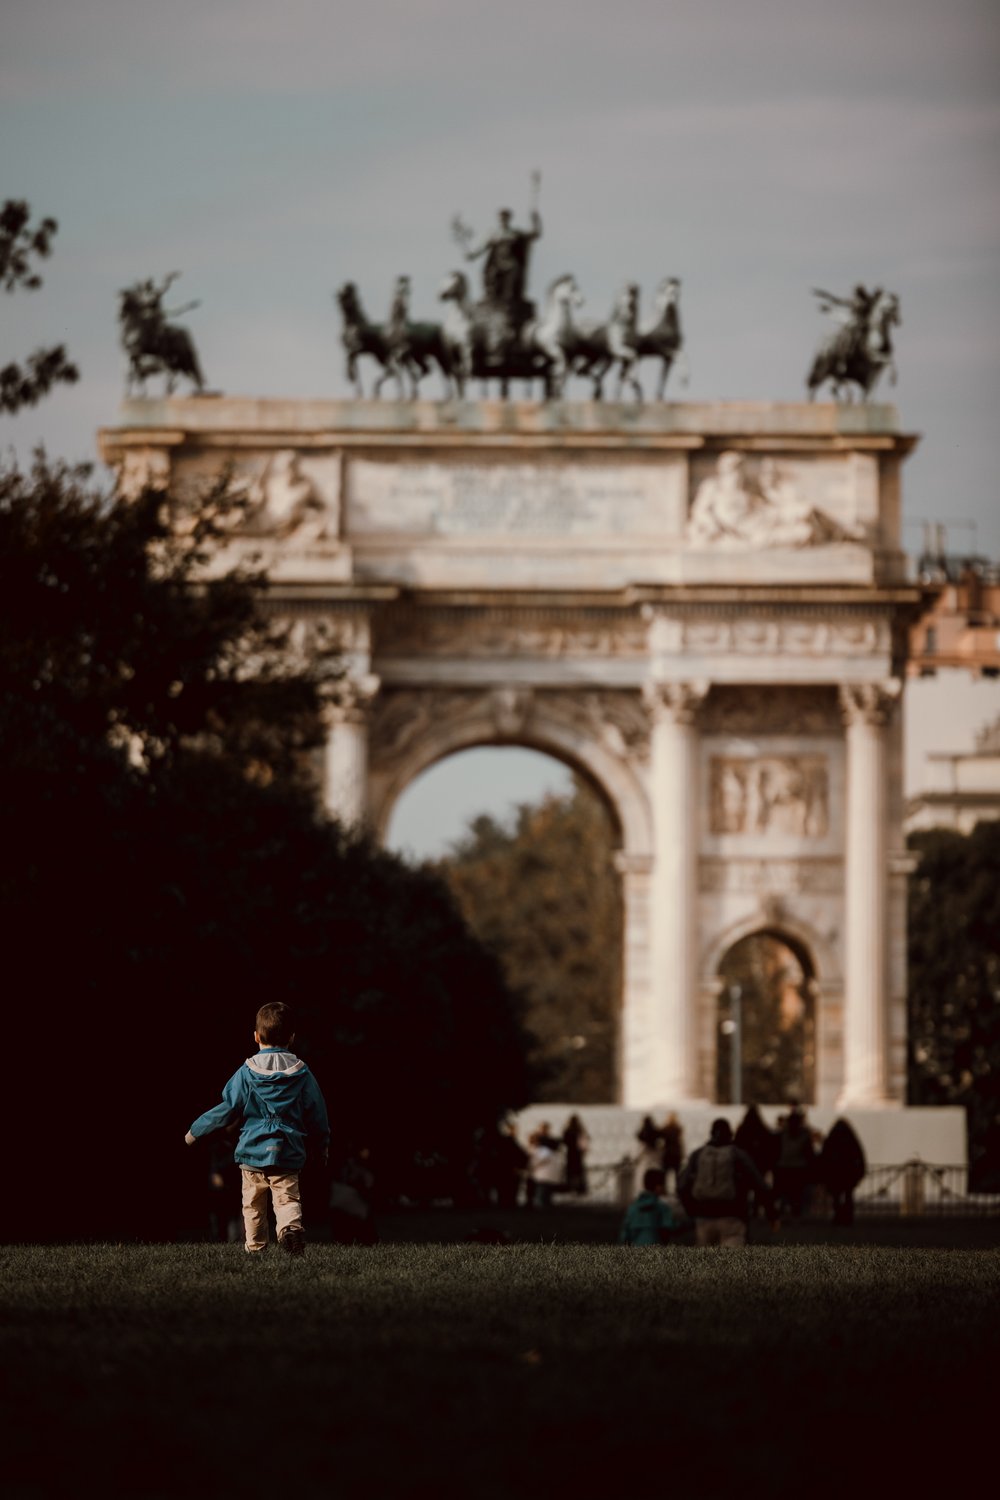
[489,1371]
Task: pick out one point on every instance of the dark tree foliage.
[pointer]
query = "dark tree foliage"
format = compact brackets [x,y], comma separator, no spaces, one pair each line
[954,984]
[21,244]
[164,871]
[545,897]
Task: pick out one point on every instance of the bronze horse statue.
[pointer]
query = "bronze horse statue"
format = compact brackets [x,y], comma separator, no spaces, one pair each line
[404,349]
[153,345]
[858,353]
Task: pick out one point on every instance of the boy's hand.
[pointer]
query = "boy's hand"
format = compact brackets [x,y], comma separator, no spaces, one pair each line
[190,1139]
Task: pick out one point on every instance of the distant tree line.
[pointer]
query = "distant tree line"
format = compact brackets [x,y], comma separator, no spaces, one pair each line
[543,894]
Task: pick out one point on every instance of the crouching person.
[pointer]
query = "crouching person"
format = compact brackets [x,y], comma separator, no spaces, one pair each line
[649,1219]
[280,1109]
[715,1185]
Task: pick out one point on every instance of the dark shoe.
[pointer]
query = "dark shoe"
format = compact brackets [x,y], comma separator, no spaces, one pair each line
[293,1241]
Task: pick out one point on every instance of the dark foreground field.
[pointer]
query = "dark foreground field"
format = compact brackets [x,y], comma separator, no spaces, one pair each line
[487,1371]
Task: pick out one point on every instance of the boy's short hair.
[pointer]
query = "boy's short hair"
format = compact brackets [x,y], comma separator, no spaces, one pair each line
[653,1179]
[274,1024]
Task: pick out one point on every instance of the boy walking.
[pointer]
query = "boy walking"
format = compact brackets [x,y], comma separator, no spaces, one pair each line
[279,1104]
[649,1219]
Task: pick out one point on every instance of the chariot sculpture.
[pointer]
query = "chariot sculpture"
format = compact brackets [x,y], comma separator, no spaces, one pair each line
[503,335]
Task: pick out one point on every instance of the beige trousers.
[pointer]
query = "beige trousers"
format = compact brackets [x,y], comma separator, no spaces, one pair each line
[283,1190]
[726,1232]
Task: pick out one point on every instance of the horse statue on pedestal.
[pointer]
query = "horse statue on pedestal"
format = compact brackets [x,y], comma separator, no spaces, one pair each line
[405,350]
[662,339]
[153,345]
[594,348]
[857,353]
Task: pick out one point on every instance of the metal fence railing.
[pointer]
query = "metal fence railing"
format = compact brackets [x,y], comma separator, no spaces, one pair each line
[912,1188]
[920,1187]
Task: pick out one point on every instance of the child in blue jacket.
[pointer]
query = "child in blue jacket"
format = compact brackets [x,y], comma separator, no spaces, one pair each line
[649,1219]
[279,1104]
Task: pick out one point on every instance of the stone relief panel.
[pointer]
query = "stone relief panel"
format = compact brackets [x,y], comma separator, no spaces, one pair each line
[784,795]
[288,497]
[501,496]
[741,501]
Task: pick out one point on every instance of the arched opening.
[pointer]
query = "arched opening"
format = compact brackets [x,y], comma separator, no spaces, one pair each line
[439,806]
[766,1026]
[527,846]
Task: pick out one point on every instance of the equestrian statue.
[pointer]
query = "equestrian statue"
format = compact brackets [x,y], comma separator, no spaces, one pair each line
[860,348]
[154,345]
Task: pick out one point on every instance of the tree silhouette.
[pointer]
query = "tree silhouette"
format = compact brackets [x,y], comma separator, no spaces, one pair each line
[21,246]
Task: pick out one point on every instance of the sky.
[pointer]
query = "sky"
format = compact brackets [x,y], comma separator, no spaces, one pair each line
[754,148]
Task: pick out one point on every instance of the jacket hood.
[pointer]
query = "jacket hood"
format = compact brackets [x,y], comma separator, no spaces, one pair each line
[276,1077]
[273,1061]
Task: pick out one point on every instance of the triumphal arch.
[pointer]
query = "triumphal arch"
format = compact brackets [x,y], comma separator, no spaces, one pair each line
[702,608]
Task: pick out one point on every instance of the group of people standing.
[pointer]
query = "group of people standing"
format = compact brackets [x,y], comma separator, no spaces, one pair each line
[734,1176]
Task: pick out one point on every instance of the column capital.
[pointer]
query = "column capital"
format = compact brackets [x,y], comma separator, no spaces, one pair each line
[349,699]
[869,702]
[674,702]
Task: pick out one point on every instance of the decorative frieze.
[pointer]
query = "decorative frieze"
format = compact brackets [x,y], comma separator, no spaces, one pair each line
[509,633]
[741,632]
[771,709]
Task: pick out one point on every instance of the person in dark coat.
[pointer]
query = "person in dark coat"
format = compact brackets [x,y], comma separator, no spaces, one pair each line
[760,1142]
[577,1143]
[842,1165]
[672,1146]
[795,1168]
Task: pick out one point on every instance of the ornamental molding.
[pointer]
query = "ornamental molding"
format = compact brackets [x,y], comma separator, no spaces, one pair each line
[508,633]
[771,878]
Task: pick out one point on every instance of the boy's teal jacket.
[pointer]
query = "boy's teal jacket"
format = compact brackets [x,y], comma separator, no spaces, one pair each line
[644,1218]
[281,1107]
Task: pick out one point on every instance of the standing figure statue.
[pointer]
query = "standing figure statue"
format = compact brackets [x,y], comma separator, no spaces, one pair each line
[505,308]
[153,344]
[861,346]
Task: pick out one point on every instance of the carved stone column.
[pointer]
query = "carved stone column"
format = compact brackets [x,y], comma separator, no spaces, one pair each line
[345,761]
[673,1071]
[867,709]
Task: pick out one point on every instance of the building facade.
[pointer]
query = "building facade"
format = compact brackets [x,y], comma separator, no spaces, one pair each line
[703,609]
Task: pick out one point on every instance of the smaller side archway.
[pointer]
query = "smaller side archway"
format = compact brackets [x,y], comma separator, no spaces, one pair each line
[766,1020]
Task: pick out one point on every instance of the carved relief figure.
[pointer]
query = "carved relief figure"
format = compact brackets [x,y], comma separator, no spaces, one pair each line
[773,794]
[284,502]
[733,508]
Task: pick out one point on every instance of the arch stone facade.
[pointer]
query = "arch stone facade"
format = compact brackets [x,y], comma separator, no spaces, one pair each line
[702,608]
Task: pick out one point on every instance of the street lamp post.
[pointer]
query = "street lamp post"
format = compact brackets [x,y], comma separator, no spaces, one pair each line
[732,1027]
